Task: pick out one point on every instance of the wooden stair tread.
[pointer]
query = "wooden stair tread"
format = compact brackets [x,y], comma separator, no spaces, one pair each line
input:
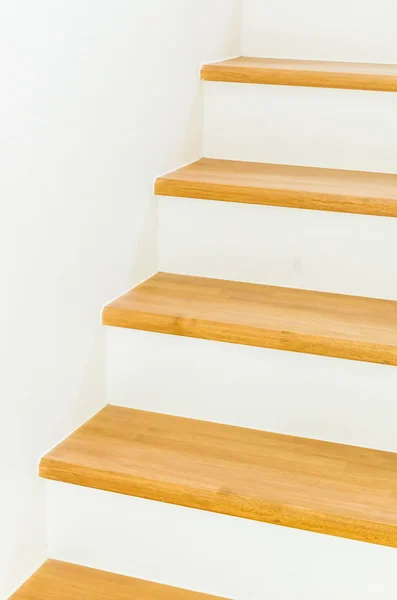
[312,322]
[63,581]
[296,482]
[283,185]
[307,73]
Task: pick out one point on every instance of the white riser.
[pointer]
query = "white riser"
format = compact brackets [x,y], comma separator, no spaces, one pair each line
[343,129]
[343,253]
[298,394]
[356,30]
[218,554]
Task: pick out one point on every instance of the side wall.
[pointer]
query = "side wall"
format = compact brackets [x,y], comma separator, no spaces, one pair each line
[353,30]
[97,99]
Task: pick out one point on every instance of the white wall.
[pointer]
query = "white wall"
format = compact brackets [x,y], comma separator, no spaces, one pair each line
[343,401]
[98,97]
[309,249]
[357,30]
[315,127]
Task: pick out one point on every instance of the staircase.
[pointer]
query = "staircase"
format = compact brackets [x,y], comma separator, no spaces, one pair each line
[264,465]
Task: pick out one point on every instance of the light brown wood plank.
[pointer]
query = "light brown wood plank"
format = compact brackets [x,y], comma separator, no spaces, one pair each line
[318,486]
[63,581]
[283,185]
[307,73]
[350,327]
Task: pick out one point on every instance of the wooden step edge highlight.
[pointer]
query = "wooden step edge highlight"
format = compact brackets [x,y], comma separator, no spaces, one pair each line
[157,451]
[55,580]
[284,198]
[251,336]
[254,314]
[303,73]
[225,503]
[287,186]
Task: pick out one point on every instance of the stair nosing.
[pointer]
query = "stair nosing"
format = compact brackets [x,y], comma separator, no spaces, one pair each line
[303,73]
[310,188]
[279,318]
[214,467]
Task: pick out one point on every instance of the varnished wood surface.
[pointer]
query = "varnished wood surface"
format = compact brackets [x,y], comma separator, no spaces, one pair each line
[307,484]
[63,581]
[335,325]
[283,185]
[306,73]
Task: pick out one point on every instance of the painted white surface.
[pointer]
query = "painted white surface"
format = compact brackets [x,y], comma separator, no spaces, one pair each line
[207,552]
[332,252]
[357,30]
[342,129]
[299,394]
[97,99]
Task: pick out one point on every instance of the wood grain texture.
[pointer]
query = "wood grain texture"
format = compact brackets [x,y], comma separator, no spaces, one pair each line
[63,581]
[306,73]
[318,486]
[351,327]
[283,185]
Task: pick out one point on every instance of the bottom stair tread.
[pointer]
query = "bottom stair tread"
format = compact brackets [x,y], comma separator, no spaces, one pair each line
[63,581]
[303,483]
[308,484]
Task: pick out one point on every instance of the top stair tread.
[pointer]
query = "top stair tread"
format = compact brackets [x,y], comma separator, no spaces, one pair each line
[297,482]
[295,72]
[307,321]
[337,190]
[57,580]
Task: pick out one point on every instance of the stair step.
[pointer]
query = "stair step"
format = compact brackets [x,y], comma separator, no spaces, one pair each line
[337,325]
[334,190]
[305,73]
[318,486]
[60,580]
